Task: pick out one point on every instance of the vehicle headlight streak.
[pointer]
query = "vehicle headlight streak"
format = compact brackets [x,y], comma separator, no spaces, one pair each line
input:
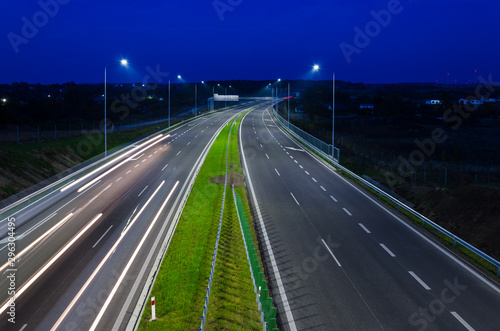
[105,165]
[132,258]
[110,252]
[49,264]
[39,239]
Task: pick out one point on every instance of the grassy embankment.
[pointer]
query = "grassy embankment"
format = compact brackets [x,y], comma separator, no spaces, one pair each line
[180,287]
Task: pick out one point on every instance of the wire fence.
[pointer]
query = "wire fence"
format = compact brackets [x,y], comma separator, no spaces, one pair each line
[265,303]
[214,256]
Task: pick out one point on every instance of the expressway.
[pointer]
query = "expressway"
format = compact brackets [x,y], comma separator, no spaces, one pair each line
[84,255]
[338,260]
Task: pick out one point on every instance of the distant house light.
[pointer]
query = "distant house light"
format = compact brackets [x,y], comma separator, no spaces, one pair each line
[366,106]
[4,100]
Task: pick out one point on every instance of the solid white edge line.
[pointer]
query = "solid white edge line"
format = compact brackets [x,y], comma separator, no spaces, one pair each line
[180,202]
[274,266]
[294,199]
[103,261]
[420,281]
[461,320]
[388,250]
[346,211]
[131,260]
[331,253]
[400,220]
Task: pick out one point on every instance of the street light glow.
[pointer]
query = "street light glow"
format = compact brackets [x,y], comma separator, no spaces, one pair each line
[124,62]
[315,67]
[279,79]
[179,76]
[4,100]
[203,82]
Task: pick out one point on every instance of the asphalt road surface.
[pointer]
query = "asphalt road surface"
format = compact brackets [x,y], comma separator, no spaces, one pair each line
[84,255]
[338,260]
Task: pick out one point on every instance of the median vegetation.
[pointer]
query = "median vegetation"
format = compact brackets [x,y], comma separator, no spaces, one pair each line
[180,286]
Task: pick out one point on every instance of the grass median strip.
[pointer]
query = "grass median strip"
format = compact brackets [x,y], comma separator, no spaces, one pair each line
[180,286]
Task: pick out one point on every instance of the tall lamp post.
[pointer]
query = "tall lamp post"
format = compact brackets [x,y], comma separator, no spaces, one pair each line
[124,63]
[316,68]
[169,103]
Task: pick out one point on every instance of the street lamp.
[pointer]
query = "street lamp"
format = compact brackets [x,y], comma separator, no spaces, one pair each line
[316,68]
[124,63]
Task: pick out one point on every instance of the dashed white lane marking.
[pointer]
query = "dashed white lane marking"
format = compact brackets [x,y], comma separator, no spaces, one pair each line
[277,171]
[119,179]
[349,213]
[150,155]
[295,161]
[164,167]
[364,227]
[155,152]
[178,153]
[331,253]
[267,156]
[461,320]
[144,160]
[421,282]
[102,236]
[301,167]
[324,189]
[388,250]
[333,198]
[294,199]
[143,190]
[307,173]
[314,180]
[188,143]
[128,172]
[261,146]
[136,165]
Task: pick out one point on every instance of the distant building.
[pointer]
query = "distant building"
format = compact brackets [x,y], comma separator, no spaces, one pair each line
[366,106]
[474,101]
[434,102]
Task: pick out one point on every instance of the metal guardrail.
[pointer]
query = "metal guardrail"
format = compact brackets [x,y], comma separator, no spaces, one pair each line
[309,139]
[265,303]
[424,220]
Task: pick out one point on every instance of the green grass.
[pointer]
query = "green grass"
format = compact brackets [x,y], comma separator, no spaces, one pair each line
[180,287]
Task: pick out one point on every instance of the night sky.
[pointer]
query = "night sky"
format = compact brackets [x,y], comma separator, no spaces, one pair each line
[413,41]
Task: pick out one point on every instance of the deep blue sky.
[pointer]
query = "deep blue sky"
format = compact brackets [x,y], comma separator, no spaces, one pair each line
[257,40]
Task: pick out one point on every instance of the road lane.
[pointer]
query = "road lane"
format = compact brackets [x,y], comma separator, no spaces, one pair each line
[361,286]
